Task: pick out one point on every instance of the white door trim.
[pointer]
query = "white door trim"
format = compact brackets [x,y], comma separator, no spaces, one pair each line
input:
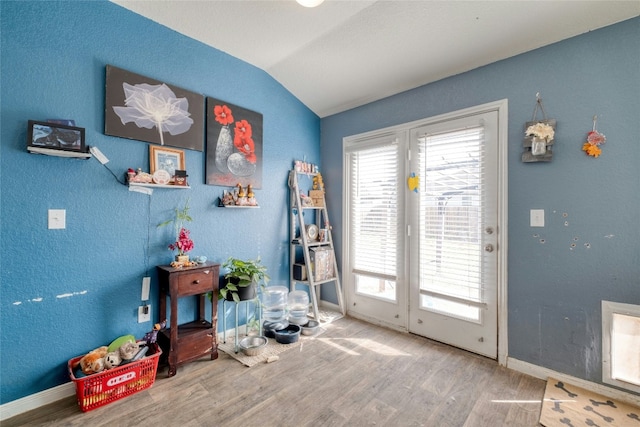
[503,222]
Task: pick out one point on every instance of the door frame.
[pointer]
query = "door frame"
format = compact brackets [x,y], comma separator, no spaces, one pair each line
[501,106]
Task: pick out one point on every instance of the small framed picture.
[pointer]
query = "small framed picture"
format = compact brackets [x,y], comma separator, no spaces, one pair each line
[55,136]
[166,159]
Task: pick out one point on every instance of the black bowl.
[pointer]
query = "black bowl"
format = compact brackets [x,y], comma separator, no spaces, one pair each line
[288,335]
[269,328]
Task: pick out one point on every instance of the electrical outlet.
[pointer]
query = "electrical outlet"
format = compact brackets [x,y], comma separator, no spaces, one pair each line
[142,316]
[536,218]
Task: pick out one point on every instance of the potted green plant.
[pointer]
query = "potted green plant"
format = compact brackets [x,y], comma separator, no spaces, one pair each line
[242,279]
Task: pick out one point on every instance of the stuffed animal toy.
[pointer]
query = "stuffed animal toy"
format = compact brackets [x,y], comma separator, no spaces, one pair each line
[93,362]
[152,336]
[128,350]
[112,360]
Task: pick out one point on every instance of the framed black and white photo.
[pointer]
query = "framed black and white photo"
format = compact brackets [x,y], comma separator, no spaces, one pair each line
[55,136]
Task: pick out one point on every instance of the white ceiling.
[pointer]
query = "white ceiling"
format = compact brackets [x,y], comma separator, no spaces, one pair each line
[347,53]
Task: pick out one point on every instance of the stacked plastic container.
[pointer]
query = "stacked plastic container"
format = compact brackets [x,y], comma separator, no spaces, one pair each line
[298,304]
[284,313]
[274,301]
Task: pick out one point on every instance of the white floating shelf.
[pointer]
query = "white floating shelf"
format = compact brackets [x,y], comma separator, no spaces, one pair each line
[58,153]
[151,185]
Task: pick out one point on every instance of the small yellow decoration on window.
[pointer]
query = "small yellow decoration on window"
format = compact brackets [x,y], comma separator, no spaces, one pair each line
[413,182]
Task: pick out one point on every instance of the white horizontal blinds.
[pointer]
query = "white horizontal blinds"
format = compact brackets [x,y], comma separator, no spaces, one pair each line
[374,210]
[451,206]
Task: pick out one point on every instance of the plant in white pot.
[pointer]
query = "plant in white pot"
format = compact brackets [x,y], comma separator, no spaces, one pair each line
[242,279]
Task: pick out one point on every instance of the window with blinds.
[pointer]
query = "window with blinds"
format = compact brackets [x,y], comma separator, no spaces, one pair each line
[451,198]
[374,211]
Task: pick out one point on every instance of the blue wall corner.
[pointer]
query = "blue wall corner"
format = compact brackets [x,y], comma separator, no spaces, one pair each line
[69,291]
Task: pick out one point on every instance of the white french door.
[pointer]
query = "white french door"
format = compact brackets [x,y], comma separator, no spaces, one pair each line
[374,213]
[428,260]
[453,222]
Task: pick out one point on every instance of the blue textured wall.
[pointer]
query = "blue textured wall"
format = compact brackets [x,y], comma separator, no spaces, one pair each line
[64,292]
[554,289]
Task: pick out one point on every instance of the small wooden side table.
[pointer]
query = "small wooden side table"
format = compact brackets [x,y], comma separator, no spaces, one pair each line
[188,341]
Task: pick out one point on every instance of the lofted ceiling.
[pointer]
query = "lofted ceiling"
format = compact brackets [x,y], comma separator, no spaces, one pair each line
[347,53]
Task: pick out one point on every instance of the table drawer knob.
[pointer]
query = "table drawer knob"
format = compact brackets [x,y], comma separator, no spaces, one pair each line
[195,282]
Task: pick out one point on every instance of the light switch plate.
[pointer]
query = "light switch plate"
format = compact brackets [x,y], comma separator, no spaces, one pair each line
[536,218]
[57,219]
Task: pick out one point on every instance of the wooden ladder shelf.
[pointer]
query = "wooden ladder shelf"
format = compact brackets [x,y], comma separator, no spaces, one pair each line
[312,243]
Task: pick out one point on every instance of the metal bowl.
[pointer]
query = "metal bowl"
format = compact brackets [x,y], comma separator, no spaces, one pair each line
[253,346]
[310,328]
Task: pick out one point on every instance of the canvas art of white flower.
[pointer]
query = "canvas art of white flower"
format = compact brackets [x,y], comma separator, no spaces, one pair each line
[150,106]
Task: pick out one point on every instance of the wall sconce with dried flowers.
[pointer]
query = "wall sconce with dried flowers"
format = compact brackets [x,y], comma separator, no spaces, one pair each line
[539,136]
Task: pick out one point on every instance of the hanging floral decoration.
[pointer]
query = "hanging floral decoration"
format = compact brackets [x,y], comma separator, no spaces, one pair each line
[540,130]
[539,136]
[594,140]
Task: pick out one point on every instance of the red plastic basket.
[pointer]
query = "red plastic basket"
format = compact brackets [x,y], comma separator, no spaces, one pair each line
[96,390]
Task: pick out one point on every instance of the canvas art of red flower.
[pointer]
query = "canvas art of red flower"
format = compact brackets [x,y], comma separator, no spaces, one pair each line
[243,133]
[184,243]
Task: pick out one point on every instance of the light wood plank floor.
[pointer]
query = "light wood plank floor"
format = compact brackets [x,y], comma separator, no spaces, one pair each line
[355,374]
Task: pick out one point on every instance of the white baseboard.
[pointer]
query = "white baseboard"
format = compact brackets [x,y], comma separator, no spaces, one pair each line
[544,373]
[36,400]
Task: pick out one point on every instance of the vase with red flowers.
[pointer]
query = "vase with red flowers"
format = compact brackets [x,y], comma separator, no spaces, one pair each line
[234,154]
[183,243]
